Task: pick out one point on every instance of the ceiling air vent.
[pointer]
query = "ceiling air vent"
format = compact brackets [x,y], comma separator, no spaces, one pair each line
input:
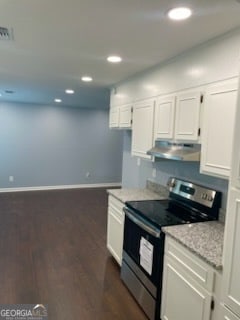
[6,34]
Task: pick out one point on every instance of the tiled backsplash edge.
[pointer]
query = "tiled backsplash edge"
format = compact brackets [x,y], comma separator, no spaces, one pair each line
[222,215]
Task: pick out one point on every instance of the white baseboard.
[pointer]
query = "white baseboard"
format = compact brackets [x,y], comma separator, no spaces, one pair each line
[74,186]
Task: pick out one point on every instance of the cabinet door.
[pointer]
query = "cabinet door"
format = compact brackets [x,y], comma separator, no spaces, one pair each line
[115,229]
[142,128]
[188,116]
[226,314]
[164,118]
[231,280]
[182,298]
[125,116]
[217,132]
[235,177]
[114,117]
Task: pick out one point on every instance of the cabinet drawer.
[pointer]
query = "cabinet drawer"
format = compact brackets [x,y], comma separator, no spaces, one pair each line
[116,204]
[197,269]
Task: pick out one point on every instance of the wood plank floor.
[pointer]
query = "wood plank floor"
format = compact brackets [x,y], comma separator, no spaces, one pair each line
[53,251]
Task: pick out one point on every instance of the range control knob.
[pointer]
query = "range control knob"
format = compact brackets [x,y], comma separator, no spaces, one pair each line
[171,183]
[210,198]
[204,196]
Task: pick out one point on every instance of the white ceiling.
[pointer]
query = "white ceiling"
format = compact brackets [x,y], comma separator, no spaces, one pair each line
[58,41]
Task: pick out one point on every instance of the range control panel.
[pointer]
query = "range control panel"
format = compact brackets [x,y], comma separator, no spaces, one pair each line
[191,191]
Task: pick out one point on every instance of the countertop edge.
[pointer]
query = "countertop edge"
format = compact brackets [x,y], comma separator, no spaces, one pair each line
[217,267]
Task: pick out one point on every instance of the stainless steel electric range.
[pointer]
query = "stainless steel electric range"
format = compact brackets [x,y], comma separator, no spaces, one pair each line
[143,245]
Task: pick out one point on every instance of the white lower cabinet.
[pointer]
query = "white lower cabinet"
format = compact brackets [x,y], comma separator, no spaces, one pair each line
[231,280]
[115,228]
[187,285]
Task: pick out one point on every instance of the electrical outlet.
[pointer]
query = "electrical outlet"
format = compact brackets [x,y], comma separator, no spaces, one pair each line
[154,172]
[11,178]
[139,161]
[87,174]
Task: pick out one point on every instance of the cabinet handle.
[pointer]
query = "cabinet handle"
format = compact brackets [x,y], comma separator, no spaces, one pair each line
[199,132]
[212,304]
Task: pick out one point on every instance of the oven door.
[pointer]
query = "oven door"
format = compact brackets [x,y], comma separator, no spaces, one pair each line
[144,245]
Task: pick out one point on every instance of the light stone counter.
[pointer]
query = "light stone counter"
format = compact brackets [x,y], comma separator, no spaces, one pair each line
[136,194]
[205,239]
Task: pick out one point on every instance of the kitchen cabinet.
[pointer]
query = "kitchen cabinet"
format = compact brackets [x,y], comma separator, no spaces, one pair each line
[125,116]
[231,283]
[164,118]
[188,284]
[114,117]
[177,117]
[187,120]
[115,228]
[120,117]
[226,314]
[142,128]
[217,131]
[235,176]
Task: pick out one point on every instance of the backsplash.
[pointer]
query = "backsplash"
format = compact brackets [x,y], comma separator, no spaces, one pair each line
[158,188]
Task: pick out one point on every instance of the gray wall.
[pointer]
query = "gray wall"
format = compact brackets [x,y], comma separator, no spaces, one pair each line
[53,145]
[135,176]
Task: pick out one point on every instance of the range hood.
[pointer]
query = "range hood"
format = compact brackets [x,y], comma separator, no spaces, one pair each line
[176,151]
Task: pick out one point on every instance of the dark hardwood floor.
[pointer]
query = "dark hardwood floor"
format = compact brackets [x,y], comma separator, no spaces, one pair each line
[53,251]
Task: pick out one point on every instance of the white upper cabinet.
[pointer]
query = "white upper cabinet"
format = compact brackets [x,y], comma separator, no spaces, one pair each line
[235,177]
[125,116]
[114,117]
[142,128]
[177,117]
[217,131]
[188,116]
[120,117]
[226,314]
[164,118]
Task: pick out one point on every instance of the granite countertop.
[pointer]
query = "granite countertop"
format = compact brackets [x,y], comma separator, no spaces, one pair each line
[136,194]
[205,239]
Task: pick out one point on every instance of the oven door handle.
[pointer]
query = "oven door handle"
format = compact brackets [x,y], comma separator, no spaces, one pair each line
[142,223]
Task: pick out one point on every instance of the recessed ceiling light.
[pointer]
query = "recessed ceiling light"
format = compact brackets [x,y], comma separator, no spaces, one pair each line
[114,59]
[58,100]
[87,79]
[180,13]
[69,91]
